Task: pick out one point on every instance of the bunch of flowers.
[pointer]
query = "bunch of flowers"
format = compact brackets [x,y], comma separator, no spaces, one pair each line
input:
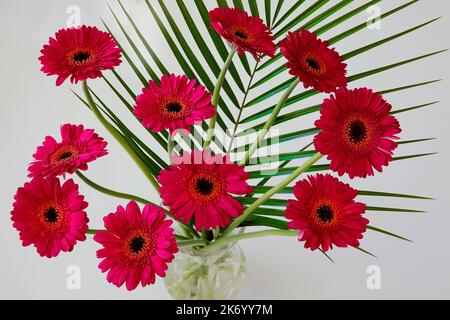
[206,193]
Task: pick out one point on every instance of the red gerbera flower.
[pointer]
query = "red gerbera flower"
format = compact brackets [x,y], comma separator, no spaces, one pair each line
[315,64]
[50,216]
[177,104]
[200,185]
[245,32]
[79,53]
[357,132]
[136,246]
[325,213]
[78,147]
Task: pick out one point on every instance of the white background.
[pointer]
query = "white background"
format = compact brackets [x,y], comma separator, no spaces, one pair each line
[32,107]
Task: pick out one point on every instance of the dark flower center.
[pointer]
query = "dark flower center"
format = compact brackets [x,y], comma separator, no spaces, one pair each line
[325,213]
[204,186]
[313,64]
[81,56]
[173,107]
[240,35]
[65,155]
[137,244]
[51,215]
[357,131]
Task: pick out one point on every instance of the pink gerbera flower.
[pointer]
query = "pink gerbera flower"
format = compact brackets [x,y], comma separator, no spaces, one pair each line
[245,32]
[177,104]
[357,132]
[310,59]
[78,147]
[326,213]
[136,246]
[200,186]
[50,216]
[79,53]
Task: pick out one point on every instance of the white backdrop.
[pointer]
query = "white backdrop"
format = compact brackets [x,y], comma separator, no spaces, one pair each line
[32,107]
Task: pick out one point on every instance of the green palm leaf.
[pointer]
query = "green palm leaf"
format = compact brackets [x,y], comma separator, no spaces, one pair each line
[282,16]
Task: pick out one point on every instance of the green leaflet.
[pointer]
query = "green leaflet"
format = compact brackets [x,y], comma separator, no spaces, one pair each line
[322,167]
[309,93]
[311,131]
[127,57]
[282,138]
[315,108]
[268,10]
[351,54]
[204,48]
[340,20]
[366,252]
[135,49]
[151,166]
[302,16]
[288,190]
[147,46]
[191,57]
[294,7]
[256,220]
[218,43]
[387,233]
[277,10]
[283,203]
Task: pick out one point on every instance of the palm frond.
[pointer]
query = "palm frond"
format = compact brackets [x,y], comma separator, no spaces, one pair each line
[256,82]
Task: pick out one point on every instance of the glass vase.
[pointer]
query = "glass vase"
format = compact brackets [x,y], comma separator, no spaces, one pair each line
[211,275]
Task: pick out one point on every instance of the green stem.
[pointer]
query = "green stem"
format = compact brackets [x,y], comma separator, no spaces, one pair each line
[170,145]
[270,193]
[241,108]
[141,164]
[92,231]
[250,235]
[127,196]
[192,243]
[216,232]
[263,132]
[216,97]
[110,192]
[181,238]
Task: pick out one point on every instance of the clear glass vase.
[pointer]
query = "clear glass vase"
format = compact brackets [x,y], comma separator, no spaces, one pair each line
[212,275]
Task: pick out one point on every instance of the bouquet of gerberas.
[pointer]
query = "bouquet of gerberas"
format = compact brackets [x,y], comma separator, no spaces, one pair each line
[211,186]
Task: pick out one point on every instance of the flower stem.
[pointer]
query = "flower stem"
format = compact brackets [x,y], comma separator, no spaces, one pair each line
[250,235]
[110,192]
[216,97]
[191,243]
[263,132]
[92,231]
[270,193]
[170,145]
[241,109]
[127,196]
[141,164]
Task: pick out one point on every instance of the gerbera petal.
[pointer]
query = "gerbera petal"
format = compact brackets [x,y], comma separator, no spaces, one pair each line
[357,132]
[79,53]
[136,245]
[175,104]
[53,220]
[201,185]
[325,213]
